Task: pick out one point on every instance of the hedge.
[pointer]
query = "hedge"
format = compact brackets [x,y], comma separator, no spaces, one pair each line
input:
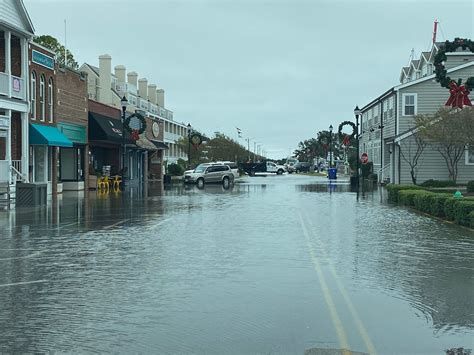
[175,170]
[407,197]
[470,186]
[437,204]
[393,191]
[438,183]
[462,212]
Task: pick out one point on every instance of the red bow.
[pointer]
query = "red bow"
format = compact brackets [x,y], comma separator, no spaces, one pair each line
[347,140]
[135,136]
[459,96]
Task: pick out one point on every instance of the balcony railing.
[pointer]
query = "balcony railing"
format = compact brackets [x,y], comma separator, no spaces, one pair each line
[126,88]
[145,105]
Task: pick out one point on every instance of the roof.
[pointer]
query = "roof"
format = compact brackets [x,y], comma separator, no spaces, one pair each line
[93,68]
[376,100]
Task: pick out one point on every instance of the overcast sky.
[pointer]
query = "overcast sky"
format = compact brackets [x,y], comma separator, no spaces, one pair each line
[278,70]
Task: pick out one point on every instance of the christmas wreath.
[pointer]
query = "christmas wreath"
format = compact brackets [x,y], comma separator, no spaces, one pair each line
[135,133]
[346,138]
[459,92]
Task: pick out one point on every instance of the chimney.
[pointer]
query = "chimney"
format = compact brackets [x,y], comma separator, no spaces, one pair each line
[143,88]
[152,93]
[105,79]
[160,97]
[132,78]
[120,73]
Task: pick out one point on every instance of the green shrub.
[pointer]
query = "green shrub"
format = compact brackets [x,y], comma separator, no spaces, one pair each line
[449,208]
[422,201]
[394,189]
[407,197]
[471,217]
[175,170]
[462,210]
[470,186]
[438,183]
[437,204]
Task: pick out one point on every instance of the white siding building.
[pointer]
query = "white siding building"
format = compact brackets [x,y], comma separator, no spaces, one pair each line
[388,120]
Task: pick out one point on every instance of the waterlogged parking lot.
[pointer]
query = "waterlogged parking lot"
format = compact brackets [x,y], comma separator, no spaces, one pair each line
[275,265]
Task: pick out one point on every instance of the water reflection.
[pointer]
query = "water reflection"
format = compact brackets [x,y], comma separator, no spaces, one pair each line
[187,270]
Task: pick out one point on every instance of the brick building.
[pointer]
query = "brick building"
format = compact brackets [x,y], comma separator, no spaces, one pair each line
[44,137]
[72,120]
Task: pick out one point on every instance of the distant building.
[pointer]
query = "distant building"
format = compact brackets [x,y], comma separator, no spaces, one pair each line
[388,120]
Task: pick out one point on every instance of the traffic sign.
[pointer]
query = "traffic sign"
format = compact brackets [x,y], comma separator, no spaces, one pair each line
[364,159]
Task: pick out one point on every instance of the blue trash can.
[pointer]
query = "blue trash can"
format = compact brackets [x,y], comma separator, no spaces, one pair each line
[332,173]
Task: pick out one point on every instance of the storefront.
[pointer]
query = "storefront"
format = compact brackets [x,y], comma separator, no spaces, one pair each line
[45,141]
[71,169]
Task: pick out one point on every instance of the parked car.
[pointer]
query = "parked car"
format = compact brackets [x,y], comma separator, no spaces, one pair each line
[263,167]
[233,166]
[213,173]
[302,166]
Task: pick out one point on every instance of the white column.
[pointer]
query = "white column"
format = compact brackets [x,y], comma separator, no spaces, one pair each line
[25,149]
[8,145]
[8,60]
[24,69]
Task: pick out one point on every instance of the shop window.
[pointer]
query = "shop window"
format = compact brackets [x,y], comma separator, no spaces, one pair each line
[33,96]
[42,99]
[50,100]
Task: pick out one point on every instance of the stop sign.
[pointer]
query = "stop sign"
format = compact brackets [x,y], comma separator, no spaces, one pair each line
[364,159]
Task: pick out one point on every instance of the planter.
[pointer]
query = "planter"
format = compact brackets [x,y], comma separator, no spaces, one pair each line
[92,182]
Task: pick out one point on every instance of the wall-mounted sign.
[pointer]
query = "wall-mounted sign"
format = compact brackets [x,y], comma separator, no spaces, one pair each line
[42,59]
[155,129]
[16,84]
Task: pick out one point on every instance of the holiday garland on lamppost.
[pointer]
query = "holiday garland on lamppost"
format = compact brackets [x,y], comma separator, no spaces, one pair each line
[459,92]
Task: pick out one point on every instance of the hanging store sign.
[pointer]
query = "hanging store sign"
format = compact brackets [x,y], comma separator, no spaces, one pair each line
[42,59]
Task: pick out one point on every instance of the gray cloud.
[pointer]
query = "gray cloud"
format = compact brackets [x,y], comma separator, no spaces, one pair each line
[279,70]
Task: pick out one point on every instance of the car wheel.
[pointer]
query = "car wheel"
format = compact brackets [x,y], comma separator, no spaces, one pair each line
[252,172]
[279,172]
[200,183]
[226,182]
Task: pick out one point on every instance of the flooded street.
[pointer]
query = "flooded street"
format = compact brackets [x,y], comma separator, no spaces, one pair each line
[275,265]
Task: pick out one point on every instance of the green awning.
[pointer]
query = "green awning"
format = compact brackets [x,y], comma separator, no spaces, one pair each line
[76,133]
[48,135]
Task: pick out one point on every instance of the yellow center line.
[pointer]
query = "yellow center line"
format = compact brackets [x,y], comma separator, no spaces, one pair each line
[358,322]
[336,321]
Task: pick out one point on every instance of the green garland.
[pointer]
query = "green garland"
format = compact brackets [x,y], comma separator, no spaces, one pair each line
[130,129]
[440,57]
[347,123]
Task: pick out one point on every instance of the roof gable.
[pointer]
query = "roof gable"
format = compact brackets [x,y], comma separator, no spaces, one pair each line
[15,16]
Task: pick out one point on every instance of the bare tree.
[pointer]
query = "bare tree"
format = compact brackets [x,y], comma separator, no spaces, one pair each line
[412,152]
[450,131]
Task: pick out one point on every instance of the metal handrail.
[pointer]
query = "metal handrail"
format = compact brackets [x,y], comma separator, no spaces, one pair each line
[382,170]
[17,173]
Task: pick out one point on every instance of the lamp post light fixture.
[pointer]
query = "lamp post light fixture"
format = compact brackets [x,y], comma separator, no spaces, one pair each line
[357,114]
[330,146]
[190,130]
[124,103]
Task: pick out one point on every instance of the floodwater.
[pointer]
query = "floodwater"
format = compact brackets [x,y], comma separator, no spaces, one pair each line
[275,265]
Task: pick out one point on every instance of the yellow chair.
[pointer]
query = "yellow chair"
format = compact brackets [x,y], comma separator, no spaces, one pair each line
[116,182]
[106,182]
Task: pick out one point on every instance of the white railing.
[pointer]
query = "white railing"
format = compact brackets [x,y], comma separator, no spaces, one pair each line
[124,88]
[4,83]
[382,172]
[18,87]
[171,137]
[17,173]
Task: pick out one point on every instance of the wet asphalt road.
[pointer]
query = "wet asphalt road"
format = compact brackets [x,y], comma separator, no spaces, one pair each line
[276,265]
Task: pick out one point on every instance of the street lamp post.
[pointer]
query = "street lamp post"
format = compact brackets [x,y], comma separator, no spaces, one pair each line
[189,145]
[357,113]
[124,103]
[330,146]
